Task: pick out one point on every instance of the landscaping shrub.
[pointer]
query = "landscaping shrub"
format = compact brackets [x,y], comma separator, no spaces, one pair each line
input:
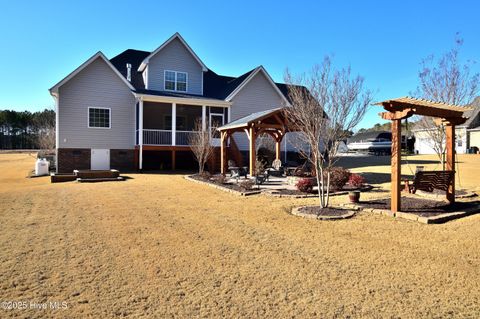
[338,177]
[219,179]
[205,175]
[356,180]
[305,185]
[246,184]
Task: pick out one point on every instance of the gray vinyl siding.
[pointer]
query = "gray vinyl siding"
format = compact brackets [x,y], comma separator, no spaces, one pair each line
[175,57]
[96,86]
[257,95]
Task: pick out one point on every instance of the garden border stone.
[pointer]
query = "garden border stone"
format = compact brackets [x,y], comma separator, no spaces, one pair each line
[296,212]
[438,219]
[225,189]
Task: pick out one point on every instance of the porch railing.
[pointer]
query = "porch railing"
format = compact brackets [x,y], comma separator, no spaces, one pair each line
[157,137]
[182,137]
[164,137]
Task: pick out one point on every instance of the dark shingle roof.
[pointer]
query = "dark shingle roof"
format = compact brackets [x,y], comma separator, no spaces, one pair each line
[215,86]
[135,58]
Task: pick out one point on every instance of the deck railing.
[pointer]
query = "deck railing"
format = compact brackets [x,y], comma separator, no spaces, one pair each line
[183,137]
[164,137]
[157,137]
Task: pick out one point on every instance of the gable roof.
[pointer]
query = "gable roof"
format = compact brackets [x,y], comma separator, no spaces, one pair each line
[215,86]
[160,48]
[247,120]
[54,89]
[257,70]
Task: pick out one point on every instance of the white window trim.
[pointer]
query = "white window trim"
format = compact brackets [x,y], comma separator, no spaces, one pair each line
[109,118]
[175,72]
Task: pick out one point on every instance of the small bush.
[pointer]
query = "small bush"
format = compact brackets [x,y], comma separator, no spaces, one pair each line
[205,175]
[219,179]
[356,180]
[246,184]
[338,177]
[305,185]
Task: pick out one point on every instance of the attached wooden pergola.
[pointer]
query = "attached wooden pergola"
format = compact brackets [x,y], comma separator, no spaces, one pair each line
[405,107]
[272,122]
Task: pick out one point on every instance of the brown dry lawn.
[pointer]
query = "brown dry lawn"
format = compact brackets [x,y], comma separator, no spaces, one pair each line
[160,246]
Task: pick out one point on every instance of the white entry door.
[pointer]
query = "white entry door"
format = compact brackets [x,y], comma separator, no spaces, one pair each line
[216,120]
[100,159]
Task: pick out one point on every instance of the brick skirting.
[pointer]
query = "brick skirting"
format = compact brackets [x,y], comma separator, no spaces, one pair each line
[122,160]
[69,159]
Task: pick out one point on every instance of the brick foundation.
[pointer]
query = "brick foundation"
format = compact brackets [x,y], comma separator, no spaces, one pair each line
[122,160]
[69,159]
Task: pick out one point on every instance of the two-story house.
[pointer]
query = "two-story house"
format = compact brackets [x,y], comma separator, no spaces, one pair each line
[136,110]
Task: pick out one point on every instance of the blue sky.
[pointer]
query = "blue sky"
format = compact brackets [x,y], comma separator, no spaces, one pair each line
[384,41]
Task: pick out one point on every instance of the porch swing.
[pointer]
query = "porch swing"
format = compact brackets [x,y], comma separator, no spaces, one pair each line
[427,181]
[449,115]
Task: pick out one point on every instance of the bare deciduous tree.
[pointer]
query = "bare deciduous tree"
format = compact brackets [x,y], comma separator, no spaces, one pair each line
[45,125]
[200,144]
[324,108]
[444,80]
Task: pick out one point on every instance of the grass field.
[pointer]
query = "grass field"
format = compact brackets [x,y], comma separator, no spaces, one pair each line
[160,246]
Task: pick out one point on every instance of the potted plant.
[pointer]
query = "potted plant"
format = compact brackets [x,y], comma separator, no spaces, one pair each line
[354,196]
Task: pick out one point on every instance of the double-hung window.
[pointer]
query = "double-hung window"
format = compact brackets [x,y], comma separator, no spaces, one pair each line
[99,117]
[176,81]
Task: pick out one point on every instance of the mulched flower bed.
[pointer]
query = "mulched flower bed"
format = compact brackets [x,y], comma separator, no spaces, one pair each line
[296,192]
[230,186]
[326,211]
[419,206]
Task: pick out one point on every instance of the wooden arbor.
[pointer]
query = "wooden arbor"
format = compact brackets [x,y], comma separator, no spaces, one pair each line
[271,122]
[405,107]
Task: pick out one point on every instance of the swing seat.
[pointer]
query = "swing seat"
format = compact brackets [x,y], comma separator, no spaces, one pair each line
[429,180]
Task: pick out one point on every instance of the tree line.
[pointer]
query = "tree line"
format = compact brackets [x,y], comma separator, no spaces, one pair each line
[27,130]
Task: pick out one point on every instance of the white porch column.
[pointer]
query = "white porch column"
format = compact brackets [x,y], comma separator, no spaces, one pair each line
[174,124]
[204,117]
[140,134]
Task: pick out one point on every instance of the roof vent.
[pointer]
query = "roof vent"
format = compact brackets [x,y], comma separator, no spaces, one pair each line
[129,72]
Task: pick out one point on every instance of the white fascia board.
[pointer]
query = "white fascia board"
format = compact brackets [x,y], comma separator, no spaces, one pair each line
[181,100]
[99,54]
[173,37]
[250,77]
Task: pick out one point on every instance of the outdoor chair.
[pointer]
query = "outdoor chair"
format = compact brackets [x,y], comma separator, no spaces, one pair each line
[277,169]
[235,171]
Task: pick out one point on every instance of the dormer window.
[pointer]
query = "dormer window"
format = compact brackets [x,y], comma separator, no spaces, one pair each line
[176,81]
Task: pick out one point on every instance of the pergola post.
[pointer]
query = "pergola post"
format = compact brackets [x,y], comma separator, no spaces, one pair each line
[277,148]
[223,152]
[396,165]
[253,157]
[450,146]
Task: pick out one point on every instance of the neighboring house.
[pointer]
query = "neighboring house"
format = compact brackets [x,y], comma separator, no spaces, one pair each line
[138,109]
[466,135]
